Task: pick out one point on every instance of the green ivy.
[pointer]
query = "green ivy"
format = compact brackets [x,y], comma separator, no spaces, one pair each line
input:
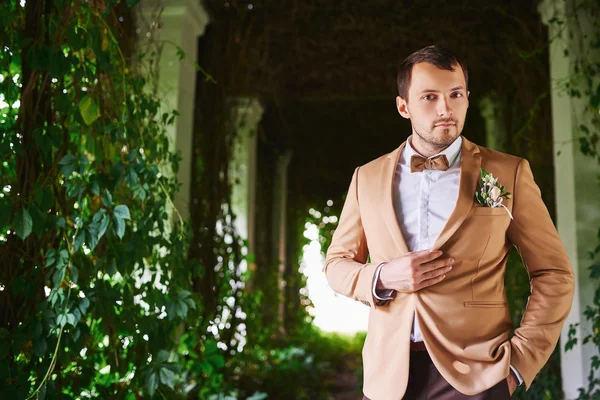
[94,285]
[583,84]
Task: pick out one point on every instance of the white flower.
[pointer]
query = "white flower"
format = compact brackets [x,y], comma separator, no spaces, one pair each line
[491,193]
[495,193]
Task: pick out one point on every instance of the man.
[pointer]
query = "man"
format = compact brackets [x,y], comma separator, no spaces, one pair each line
[439,322]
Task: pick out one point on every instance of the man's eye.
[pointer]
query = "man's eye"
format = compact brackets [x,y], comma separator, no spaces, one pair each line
[428,97]
[456,94]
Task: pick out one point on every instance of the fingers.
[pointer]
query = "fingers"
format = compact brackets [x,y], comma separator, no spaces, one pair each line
[424,256]
[436,264]
[430,282]
[434,273]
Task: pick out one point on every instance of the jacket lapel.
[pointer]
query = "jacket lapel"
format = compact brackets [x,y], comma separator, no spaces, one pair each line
[469,177]
[387,205]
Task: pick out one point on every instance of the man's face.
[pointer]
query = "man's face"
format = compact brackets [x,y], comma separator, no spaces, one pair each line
[437,104]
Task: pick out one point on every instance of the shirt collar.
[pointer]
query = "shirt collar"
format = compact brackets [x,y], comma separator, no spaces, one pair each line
[451,152]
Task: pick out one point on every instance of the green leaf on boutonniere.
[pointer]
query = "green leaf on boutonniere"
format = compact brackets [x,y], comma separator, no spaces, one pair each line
[479,198]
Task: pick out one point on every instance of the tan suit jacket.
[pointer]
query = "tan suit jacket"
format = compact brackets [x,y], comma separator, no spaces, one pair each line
[464,319]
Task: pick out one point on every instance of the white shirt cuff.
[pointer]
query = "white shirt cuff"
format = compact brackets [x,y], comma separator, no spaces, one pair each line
[519,377]
[382,294]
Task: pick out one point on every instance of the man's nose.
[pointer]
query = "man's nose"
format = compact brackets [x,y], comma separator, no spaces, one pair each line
[443,107]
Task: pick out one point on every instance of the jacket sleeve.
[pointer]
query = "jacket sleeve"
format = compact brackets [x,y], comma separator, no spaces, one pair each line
[346,267]
[551,277]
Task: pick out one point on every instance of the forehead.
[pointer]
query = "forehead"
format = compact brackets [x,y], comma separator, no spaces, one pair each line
[426,76]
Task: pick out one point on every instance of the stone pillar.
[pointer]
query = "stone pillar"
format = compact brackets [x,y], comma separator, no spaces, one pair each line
[280,192]
[495,129]
[182,22]
[248,113]
[577,194]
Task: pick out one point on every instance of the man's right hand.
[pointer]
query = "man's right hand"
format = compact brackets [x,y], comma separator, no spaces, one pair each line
[414,271]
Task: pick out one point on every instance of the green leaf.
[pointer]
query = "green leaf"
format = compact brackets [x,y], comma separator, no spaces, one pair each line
[595,270]
[38,218]
[74,274]
[67,165]
[23,223]
[89,110]
[103,226]
[61,223]
[120,227]
[182,309]
[162,356]
[190,303]
[122,212]
[58,277]
[218,361]
[91,233]
[151,382]
[183,295]
[68,159]
[98,215]
[50,258]
[42,393]
[595,99]
[258,396]
[40,346]
[107,199]
[167,377]
[67,170]
[79,240]
[83,305]
[95,188]
[63,258]
[61,320]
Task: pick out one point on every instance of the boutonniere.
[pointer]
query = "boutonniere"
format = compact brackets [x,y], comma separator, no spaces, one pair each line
[491,193]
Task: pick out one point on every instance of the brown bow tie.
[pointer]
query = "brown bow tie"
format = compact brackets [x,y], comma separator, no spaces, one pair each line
[418,163]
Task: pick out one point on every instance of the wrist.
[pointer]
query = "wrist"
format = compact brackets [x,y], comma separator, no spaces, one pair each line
[379,285]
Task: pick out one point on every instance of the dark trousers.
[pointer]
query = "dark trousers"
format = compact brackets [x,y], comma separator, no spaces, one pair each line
[426,383]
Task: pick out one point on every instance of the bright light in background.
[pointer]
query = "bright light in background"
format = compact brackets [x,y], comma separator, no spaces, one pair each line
[332,312]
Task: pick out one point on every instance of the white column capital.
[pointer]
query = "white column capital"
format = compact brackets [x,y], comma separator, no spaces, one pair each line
[178,15]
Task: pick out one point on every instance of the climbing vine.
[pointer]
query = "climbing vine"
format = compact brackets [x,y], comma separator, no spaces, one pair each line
[93,288]
[581,21]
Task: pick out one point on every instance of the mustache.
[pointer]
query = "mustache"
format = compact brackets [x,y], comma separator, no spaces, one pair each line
[444,121]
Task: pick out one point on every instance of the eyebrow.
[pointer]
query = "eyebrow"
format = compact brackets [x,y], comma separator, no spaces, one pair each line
[437,91]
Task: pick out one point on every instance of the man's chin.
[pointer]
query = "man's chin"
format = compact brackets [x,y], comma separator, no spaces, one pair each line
[444,138]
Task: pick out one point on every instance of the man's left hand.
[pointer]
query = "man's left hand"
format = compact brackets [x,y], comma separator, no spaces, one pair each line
[513,382]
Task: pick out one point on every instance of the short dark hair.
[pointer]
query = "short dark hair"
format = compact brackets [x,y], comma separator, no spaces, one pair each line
[439,56]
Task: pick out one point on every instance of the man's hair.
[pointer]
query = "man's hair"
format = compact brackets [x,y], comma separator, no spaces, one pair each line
[439,56]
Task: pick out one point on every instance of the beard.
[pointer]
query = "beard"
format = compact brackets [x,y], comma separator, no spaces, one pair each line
[437,141]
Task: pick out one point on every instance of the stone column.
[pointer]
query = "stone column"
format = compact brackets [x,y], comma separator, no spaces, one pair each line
[182,22]
[280,192]
[495,129]
[577,194]
[248,113]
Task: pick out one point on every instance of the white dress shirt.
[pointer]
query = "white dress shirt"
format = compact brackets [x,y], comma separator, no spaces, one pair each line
[423,202]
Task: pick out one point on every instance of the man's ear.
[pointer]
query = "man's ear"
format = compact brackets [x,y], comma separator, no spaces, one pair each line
[402,107]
